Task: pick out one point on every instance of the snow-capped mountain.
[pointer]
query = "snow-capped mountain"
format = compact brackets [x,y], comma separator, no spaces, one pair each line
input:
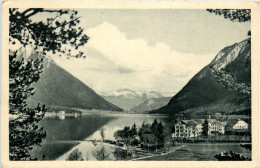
[151,104]
[126,98]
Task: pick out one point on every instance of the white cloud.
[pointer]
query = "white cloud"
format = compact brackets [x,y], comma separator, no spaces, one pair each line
[113,62]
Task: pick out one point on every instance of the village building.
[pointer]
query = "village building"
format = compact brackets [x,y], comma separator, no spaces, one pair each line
[188,128]
[215,127]
[194,128]
[181,129]
[236,126]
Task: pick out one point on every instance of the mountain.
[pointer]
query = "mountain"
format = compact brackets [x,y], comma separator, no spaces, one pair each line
[203,90]
[126,98]
[151,104]
[57,87]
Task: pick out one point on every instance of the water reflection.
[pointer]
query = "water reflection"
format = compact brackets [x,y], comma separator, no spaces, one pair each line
[63,132]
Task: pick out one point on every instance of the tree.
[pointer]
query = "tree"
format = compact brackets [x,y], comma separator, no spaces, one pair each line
[23,129]
[235,15]
[160,134]
[154,126]
[102,134]
[247,146]
[126,133]
[230,82]
[133,131]
[230,156]
[145,129]
[58,34]
[52,34]
[101,153]
[168,136]
[75,155]
[205,128]
[119,153]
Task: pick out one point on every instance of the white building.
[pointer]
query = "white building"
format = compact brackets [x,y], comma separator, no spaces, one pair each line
[194,128]
[237,124]
[215,127]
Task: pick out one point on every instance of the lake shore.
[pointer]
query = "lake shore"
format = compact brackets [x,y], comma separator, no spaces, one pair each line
[200,152]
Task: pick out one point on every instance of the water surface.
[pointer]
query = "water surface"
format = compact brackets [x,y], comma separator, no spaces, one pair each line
[65,132]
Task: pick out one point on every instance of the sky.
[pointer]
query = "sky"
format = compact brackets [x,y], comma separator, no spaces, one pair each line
[151,49]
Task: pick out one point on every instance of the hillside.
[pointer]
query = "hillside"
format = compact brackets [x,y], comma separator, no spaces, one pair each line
[57,87]
[151,104]
[204,89]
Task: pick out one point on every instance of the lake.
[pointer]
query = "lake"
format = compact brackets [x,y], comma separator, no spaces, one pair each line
[64,132]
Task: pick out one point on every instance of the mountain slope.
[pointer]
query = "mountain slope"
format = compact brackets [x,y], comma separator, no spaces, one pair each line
[151,104]
[57,87]
[204,89]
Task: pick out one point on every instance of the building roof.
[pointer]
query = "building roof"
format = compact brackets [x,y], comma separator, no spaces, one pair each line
[233,121]
[192,123]
[199,121]
[212,121]
[184,121]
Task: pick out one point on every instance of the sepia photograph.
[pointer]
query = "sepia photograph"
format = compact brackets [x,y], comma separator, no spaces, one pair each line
[124,83]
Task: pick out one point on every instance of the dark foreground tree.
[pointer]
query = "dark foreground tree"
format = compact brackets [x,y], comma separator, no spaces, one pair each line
[57,34]
[235,15]
[23,129]
[230,156]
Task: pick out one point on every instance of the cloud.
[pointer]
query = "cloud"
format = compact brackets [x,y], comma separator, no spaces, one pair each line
[114,61]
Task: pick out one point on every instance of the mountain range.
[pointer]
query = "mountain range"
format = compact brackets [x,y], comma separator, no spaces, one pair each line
[127,98]
[204,90]
[57,87]
[151,104]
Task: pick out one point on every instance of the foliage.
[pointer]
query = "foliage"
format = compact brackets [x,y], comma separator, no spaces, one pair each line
[205,128]
[152,134]
[149,135]
[133,131]
[23,129]
[67,110]
[75,155]
[229,82]
[235,15]
[54,35]
[230,156]
[145,129]
[121,154]
[102,134]
[247,146]
[47,35]
[101,153]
